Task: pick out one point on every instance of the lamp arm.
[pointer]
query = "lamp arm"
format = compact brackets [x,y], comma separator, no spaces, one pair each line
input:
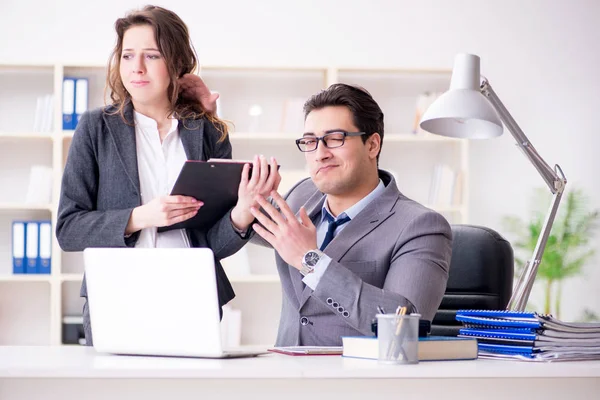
[550,176]
[521,292]
[556,181]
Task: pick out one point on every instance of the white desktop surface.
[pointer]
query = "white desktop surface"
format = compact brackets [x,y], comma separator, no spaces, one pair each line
[80,372]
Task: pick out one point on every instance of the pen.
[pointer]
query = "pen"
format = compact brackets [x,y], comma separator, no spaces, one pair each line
[380,310]
[400,312]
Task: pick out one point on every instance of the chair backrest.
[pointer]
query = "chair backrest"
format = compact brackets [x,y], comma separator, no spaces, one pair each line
[481,276]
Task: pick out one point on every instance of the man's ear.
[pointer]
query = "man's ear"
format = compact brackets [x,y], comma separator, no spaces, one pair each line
[374,144]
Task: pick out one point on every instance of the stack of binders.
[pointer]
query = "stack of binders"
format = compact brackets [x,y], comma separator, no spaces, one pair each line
[529,336]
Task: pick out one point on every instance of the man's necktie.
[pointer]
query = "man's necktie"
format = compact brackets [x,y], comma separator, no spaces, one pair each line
[333,224]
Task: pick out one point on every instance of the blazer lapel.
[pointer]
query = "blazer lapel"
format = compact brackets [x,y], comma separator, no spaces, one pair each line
[123,136]
[192,138]
[374,214]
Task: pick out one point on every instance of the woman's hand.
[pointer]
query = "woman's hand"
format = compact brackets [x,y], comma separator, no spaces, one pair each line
[262,182]
[193,87]
[163,211]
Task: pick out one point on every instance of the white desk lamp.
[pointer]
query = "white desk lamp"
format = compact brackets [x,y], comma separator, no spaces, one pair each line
[471,109]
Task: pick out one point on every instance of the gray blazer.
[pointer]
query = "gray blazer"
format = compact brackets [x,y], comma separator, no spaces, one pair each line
[395,252]
[101,187]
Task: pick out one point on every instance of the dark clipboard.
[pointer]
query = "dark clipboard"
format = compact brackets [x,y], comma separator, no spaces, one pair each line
[213,182]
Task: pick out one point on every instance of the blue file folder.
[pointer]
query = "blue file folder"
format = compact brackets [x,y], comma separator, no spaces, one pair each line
[18,247]
[45,248]
[32,246]
[68,104]
[81,98]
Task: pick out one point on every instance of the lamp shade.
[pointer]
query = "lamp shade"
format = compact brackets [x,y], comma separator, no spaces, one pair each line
[463,112]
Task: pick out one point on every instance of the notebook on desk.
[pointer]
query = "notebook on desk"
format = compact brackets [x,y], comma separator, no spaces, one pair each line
[159,302]
[503,334]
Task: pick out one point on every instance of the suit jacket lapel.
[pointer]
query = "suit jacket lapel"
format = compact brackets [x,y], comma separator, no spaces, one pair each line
[374,214]
[123,136]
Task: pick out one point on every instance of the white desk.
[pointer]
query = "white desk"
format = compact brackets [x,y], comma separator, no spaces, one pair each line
[80,373]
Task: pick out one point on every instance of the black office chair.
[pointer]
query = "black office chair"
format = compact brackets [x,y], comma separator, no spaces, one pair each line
[481,276]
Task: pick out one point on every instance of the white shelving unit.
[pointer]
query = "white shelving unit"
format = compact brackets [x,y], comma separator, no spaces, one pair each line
[264,104]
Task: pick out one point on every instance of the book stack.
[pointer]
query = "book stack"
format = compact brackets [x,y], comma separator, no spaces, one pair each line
[529,336]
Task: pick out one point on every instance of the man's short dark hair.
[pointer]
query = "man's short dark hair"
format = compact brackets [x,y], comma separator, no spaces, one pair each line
[366,113]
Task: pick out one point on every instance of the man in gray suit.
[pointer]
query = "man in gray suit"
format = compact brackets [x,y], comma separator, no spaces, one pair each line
[346,240]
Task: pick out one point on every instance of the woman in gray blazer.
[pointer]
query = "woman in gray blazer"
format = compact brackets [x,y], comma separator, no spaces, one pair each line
[125,157]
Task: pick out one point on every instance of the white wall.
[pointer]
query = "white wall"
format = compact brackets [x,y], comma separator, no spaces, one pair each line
[541,56]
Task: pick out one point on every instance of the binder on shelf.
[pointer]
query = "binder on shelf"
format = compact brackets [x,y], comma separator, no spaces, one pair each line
[45,251]
[31,247]
[18,247]
[68,104]
[42,121]
[81,98]
[444,186]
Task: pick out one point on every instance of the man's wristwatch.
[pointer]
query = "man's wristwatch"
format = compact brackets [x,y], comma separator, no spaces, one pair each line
[309,260]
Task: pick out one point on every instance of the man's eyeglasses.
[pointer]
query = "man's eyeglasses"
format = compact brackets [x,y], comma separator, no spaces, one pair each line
[331,140]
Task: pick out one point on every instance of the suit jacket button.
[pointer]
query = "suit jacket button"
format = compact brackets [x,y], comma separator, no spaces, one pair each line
[304,321]
[346,314]
[335,305]
[340,309]
[329,300]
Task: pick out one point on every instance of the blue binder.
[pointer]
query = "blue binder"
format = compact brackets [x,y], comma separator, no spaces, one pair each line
[518,334]
[32,247]
[68,104]
[497,314]
[45,248]
[498,319]
[506,349]
[18,247]
[81,98]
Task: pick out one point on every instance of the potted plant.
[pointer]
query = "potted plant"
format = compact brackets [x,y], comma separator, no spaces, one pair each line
[567,249]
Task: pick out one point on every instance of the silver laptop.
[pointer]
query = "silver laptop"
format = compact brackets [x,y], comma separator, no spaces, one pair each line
[160,302]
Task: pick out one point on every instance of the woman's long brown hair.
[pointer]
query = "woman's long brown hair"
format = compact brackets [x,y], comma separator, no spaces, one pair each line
[173,40]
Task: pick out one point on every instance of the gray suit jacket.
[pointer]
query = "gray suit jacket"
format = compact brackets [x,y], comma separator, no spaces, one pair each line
[101,187]
[395,252]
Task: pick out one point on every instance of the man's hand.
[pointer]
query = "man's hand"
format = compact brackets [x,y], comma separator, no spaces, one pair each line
[163,211]
[290,237]
[193,87]
[262,182]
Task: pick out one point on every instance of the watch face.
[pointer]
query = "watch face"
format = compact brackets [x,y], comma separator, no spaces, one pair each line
[311,258]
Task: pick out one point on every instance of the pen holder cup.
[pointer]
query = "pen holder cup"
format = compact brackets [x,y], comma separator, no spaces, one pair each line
[398,338]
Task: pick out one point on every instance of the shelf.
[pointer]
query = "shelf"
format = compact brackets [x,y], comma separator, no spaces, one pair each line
[409,137]
[24,69]
[388,137]
[71,277]
[26,207]
[25,278]
[237,279]
[457,209]
[280,91]
[27,135]
[255,278]
[284,137]
[275,137]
